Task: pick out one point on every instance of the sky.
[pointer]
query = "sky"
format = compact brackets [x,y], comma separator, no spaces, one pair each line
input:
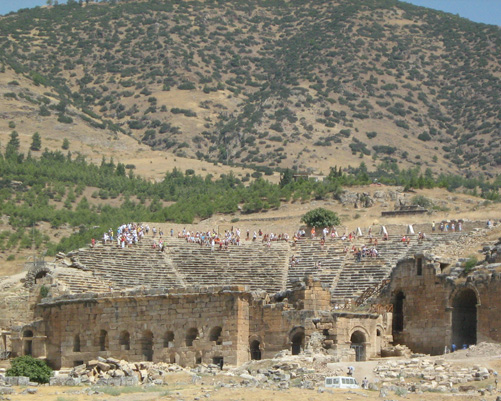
[486,11]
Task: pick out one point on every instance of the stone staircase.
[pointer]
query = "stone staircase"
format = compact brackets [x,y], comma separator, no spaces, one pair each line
[309,253]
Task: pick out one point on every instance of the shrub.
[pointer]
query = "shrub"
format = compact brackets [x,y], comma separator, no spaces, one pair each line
[44,291]
[421,200]
[424,136]
[36,369]
[470,263]
[64,119]
[320,217]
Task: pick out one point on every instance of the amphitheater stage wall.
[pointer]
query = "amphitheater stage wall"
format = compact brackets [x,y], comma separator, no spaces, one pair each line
[201,325]
[186,328]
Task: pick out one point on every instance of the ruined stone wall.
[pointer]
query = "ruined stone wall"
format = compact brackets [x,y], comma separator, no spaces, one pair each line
[306,318]
[429,305]
[186,328]
[426,320]
[488,288]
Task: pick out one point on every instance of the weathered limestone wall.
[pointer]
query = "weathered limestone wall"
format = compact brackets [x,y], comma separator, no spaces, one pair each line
[426,321]
[306,317]
[429,302]
[148,327]
[201,325]
[488,288]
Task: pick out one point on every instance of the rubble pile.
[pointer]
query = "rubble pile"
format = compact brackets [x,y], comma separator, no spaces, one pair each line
[280,374]
[431,374]
[114,372]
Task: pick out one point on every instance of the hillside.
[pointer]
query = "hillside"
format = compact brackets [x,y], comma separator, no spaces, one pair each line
[274,84]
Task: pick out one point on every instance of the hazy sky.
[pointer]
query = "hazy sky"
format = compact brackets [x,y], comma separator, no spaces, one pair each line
[487,11]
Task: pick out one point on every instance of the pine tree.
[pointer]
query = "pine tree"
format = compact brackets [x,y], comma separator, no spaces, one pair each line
[36,142]
[12,147]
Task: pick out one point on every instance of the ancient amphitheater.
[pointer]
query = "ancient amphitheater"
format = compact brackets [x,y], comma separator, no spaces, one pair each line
[192,305]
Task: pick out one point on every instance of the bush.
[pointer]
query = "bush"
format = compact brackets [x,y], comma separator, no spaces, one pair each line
[424,137]
[44,291]
[64,119]
[320,217]
[421,200]
[36,369]
[470,263]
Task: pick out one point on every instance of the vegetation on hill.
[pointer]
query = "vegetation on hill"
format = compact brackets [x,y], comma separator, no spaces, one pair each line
[51,189]
[275,84]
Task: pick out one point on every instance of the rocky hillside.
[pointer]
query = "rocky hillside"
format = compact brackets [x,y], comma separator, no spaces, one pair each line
[274,84]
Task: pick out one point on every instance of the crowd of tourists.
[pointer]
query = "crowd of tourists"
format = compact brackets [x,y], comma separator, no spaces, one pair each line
[127,235]
[222,241]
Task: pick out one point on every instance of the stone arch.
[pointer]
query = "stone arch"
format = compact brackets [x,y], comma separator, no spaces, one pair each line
[35,274]
[215,335]
[168,339]
[103,340]
[27,333]
[358,340]
[147,345]
[255,350]
[398,312]
[76,343]
[297,336]
[124,340]
[464,316]
[191,335]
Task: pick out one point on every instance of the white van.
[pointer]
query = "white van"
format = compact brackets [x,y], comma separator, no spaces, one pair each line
[341,382]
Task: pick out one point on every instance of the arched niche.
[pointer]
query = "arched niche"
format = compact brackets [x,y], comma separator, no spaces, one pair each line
[147,345]
[297,336]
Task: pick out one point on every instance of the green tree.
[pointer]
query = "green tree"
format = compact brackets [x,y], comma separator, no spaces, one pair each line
[66,144]
[286,177]
[320,217]
[36,142]
[13,145]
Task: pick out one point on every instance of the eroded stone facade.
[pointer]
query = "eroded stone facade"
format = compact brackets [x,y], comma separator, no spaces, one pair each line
[212,325]
[433,309]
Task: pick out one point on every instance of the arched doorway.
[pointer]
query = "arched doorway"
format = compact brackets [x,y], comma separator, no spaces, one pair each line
[297,340]
[255,350]
[28,342]
[464,318]
[147,345]
[398,312]
[358,344]
[378,341]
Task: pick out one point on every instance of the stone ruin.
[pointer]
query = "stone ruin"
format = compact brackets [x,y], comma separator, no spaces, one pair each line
[109,310]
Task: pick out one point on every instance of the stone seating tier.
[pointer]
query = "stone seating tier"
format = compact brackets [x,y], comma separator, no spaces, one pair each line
[253,264]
